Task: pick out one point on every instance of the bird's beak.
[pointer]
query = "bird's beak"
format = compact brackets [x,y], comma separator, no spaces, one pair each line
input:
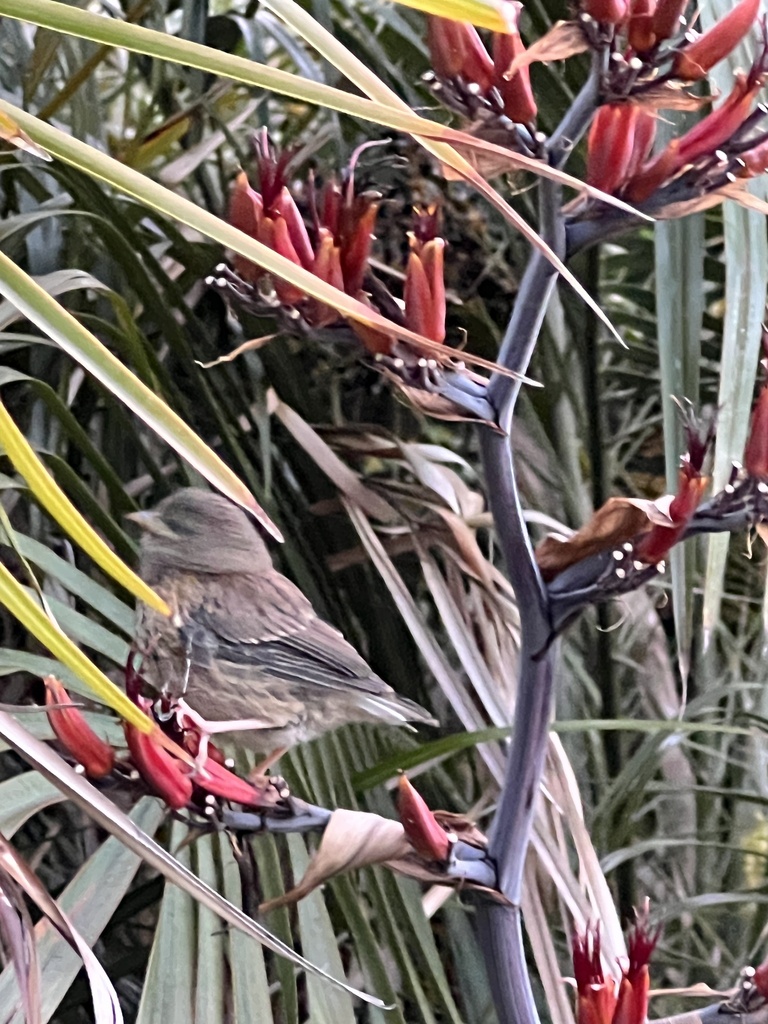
[151,522]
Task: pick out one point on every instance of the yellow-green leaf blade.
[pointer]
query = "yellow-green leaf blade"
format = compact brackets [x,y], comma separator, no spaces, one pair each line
[44,311]
[32,617]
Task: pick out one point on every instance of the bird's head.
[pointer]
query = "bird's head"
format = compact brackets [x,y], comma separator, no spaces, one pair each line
[198,531]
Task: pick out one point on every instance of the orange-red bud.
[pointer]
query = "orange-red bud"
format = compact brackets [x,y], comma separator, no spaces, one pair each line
[284,207]
[456,50]
[273,232]
[756,451]
[717,127]
[694,61]
[74,733]
[246,211]
[516,92]
[425,289]
[428,838]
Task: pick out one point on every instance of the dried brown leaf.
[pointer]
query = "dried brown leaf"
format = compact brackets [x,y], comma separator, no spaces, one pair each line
[356,839]
[352,839]
[18,940]
[563,40]
[617,521]
[671,96]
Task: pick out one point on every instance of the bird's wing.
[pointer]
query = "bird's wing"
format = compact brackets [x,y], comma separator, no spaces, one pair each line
[266,622]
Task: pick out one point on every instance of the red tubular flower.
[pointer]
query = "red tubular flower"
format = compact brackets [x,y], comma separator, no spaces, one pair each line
[215,778]
[273,233]
[632,1005]
[760,979]
[641,34]
[424,283]
[285,208]
[666,18]
[716,128]
[163,773]
[516,92]
[74,733]
[694,61]
[611,12]
[350,218]
[704,138]
[596,996]
[246,211]
[654,546]
[457,51]
[619,139]
[426,835]
[756,451]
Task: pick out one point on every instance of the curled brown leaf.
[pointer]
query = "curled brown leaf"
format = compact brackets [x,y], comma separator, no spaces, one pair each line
[615,523]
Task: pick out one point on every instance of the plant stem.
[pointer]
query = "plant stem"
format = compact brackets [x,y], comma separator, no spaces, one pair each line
[501,928]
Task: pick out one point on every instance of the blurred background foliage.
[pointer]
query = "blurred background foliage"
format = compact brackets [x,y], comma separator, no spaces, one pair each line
[672,810]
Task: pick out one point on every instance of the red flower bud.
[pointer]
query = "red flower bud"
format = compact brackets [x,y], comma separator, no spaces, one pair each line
[640,29]
[354,236]
[457,50]
[756,451]
[285,207]
[215,778]
[246,211]
[666,19]
[516,92]
[424,282]
[611,145]
[163,773]
[428,838]
[327,261]
[694,61]
[74,733]
[716,128]
[274,234]
[609,12]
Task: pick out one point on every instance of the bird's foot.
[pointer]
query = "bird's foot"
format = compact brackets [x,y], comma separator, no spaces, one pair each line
[261,769]
[189,719]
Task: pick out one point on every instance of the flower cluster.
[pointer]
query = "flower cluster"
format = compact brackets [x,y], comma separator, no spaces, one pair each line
[335,245]
[336,251]
[652,62]
[475,82]
[598,1001]
[171,777]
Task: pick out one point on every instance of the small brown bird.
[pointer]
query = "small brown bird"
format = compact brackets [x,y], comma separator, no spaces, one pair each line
[243,648]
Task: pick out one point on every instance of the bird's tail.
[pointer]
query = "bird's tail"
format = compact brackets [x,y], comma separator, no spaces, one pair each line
[396,710]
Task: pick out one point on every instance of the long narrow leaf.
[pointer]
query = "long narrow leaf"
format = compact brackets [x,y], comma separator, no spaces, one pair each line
[55,501]
[98,807]
[35,303]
